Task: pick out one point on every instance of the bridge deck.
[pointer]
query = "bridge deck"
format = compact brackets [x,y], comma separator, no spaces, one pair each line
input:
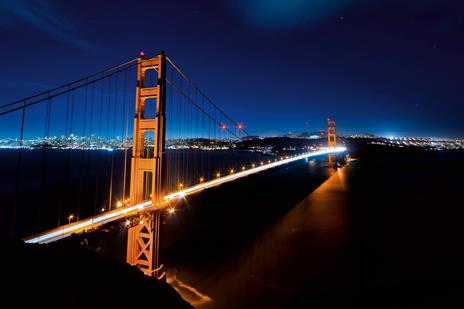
[121,213]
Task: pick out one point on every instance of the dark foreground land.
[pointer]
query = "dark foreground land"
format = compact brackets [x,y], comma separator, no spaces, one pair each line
[70,276]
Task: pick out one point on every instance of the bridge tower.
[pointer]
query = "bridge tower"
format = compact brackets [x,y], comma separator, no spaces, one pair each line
[332,140]
[146,164]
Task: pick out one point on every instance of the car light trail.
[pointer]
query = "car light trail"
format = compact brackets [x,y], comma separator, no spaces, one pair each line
[113,215]
[86,224]
[218,181]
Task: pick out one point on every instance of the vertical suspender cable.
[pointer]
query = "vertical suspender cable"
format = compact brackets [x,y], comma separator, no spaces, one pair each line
[44,171]
[125,134]
[79,194]
[18,172]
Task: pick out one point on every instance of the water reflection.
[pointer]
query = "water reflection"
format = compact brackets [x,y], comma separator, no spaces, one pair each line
[284,261]
[189,293]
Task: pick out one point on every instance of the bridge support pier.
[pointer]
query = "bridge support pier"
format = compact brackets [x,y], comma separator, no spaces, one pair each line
[143,244]
[146,165]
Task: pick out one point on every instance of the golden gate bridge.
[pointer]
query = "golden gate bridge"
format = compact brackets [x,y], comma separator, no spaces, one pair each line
[158,152]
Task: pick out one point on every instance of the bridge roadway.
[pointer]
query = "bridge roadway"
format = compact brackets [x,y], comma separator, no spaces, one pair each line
[124,212]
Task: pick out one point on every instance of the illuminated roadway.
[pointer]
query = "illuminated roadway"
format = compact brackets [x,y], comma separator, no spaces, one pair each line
[120,213]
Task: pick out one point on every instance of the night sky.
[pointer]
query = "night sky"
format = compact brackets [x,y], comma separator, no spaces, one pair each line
[385,67]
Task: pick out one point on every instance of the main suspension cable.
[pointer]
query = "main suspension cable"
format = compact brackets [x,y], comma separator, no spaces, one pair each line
[202,93]
[61,93]
[70,83]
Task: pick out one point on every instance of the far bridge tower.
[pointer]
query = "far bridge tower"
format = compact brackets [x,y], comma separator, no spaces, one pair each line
[332,140]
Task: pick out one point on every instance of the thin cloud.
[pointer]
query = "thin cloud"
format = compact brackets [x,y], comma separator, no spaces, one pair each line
[285,14]
[46,17]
